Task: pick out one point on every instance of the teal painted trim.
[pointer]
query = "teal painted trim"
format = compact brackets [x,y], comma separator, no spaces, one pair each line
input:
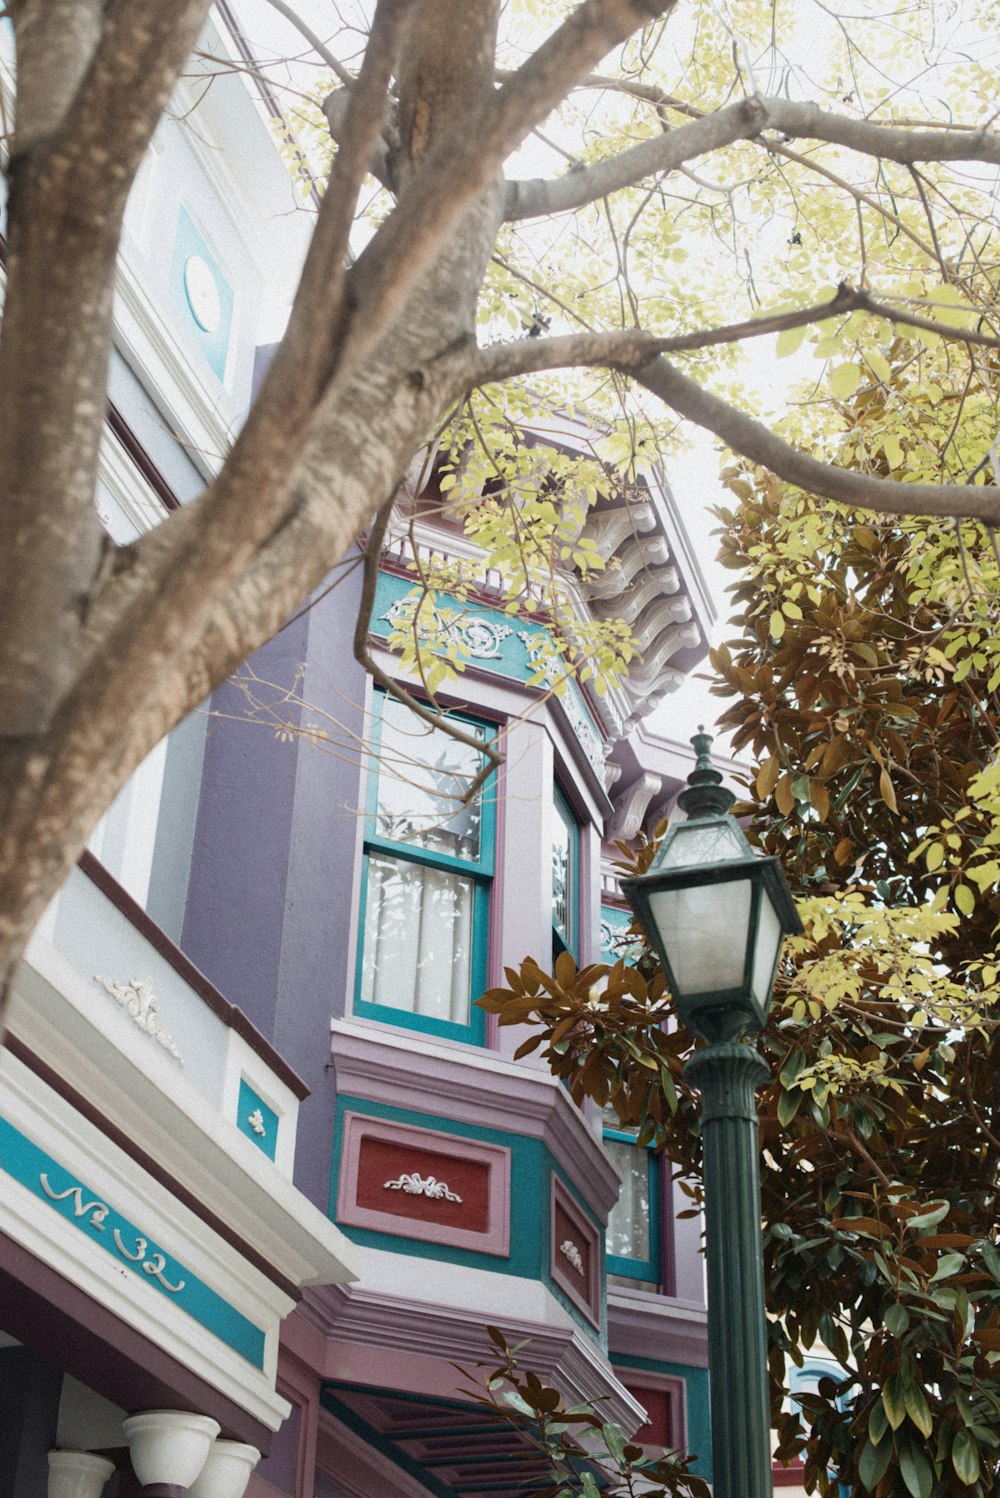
[614,937]
[213,342]
[129,1248]
[651,1268]
[249,1103]
[699,1419]
[477,871]
[508,654]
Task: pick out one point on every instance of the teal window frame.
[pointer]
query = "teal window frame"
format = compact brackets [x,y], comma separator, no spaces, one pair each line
[568,940]
[480,873]
[650,1268]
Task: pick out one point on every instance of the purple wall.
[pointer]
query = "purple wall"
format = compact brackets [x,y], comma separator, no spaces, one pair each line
[269,900]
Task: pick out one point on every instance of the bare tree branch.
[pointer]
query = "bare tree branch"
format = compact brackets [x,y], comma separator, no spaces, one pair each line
[316,42]
[622,349]
[757,442]
[465,162]
[76,151]
[744,121]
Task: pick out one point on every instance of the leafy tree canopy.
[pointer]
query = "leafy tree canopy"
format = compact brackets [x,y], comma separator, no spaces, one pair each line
[537,208]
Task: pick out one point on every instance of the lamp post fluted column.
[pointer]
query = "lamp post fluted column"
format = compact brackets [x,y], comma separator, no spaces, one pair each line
[717,913]
[727,1073]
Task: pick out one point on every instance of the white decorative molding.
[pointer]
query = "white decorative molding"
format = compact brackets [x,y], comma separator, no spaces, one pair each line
[569,1251]
[631,805]
[142,1006]
[473,634]
[256,1121]
[415,1184]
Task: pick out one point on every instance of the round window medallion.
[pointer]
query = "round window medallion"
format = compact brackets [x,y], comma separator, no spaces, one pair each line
[202,293]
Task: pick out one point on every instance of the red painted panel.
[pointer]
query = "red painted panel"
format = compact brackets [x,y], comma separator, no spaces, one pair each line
[659,1429]
[382,1160]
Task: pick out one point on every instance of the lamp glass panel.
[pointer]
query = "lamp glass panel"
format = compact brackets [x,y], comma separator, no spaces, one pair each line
[704,931]
[769,934]
[698,842]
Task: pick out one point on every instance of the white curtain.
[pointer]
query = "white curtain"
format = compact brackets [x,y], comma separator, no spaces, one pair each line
[418,939]
[628,1225]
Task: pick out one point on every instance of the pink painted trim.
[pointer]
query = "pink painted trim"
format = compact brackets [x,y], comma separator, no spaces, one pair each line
[788,1477]
[358,1126]
[563,1273]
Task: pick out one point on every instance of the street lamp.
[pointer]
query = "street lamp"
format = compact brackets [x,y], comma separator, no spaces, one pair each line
[716,914]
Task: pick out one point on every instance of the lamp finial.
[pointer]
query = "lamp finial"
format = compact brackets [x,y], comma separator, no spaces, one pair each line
[706,796]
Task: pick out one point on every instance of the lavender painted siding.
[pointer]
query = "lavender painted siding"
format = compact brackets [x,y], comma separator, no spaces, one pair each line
[269,908]
[239,863]
[319,916]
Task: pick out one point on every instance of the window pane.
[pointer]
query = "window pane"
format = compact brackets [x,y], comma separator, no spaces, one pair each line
[418,939]
[704,931]
[423,774]
[560,877]
[628,1226]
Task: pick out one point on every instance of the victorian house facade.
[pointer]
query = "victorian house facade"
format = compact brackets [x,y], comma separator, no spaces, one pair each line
[266,1171]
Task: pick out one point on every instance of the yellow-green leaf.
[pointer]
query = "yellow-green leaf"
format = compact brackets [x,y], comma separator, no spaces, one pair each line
[964,899]
[790,341]
[844,380]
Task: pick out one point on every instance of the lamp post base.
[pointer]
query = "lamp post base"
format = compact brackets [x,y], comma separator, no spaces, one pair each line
[728,1073]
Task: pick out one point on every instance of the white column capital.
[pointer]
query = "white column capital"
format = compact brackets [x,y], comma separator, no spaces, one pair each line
[77,1474]
[169,1447]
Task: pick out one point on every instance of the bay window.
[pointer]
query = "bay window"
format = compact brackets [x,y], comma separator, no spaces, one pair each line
[428,866]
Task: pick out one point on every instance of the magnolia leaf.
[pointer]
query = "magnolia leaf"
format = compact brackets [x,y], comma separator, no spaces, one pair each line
[873,1463]
[917,1408]
[896,1319]
[965,1457]
[789,341]
[887,791]
[916,1471]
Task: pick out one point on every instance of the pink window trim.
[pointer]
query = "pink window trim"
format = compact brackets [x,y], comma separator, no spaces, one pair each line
[587,1297]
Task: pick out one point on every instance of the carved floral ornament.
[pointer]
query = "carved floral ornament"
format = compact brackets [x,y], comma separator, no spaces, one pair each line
[473,634]
[570,1251]
[256,1122]
[142,1006]
[415,1184]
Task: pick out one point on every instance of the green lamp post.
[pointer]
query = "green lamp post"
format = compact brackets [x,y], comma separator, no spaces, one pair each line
[717,914]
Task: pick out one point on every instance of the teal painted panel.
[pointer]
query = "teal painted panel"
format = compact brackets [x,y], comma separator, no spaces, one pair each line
[76,1203]
[256,1120]
[699,1422]
[201,293]
[491,641]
